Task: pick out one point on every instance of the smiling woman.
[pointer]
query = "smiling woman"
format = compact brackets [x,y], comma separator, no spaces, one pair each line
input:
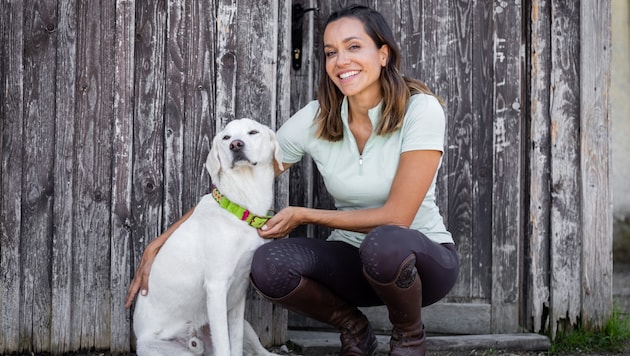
[377,139]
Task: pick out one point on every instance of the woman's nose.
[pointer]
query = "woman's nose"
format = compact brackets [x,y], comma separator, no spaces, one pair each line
[342,58]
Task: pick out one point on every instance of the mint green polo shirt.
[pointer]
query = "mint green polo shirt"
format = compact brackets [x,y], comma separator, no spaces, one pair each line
[360,181]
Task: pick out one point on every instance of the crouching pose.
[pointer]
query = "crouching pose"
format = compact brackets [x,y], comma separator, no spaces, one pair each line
[377,139]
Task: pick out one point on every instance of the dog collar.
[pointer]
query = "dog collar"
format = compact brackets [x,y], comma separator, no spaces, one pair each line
[240,212]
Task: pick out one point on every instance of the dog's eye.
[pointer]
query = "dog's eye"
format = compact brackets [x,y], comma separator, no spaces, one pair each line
[226,137]
[253,132]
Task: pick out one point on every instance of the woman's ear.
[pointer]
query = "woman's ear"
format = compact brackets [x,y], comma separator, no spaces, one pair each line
[384,55]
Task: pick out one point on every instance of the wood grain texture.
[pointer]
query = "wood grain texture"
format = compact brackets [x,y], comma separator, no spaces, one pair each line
[565,234]
[507,228]
[40,22]
[148,130]
[595,163]
[11,179]
[537,266]
[226,63]
[122,168]
[91,250]
[62,326]
[199,91]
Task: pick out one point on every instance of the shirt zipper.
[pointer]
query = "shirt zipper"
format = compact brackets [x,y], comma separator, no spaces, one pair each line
[361,164]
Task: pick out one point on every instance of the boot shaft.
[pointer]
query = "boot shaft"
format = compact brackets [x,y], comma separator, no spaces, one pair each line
[403,298]
[315,301]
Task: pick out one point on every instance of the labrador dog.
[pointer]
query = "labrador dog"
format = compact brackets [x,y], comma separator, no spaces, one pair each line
[199,279]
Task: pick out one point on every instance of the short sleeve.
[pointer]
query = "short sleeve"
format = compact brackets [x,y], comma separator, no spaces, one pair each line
[295,135]
[424,124]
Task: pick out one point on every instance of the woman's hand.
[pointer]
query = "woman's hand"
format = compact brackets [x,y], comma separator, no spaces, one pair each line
[140,281]
[281,224]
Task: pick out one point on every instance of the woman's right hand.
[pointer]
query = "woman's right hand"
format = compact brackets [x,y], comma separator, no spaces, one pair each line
[140,281]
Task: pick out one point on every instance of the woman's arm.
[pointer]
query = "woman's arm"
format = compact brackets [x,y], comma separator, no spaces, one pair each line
[415,173]
[140,281]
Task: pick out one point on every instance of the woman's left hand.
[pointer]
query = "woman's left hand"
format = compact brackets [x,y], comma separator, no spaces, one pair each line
[281,224]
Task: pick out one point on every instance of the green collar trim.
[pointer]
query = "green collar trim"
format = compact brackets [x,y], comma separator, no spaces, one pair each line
[238,211]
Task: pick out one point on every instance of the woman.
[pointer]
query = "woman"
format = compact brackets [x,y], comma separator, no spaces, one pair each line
[377,139]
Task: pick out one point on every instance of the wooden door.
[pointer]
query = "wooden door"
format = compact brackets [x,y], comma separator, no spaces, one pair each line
[469,54]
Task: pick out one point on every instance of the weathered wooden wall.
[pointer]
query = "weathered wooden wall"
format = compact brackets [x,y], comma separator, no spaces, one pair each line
[569,255]
[108,109]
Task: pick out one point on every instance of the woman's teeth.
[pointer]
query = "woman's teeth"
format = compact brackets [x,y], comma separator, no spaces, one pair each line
[348,74]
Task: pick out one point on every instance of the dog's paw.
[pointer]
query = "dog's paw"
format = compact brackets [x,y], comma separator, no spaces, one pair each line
[195,345]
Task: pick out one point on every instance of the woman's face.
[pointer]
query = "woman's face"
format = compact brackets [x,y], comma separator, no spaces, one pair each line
[353,62]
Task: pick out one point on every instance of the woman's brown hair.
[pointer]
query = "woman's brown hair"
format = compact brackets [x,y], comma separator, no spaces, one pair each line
[397,89]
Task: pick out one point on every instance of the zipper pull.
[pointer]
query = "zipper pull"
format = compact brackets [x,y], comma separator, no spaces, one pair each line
[360,165]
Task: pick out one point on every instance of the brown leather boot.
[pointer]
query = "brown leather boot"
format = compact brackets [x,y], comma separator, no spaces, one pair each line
[315,301]
[403,298]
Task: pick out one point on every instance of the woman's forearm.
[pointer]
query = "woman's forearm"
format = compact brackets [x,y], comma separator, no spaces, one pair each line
[352,220]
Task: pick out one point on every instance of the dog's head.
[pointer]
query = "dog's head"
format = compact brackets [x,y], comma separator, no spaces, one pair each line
[243,144]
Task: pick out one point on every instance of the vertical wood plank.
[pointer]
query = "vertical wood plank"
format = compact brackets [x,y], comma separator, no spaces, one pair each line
[93,170]
[11,179]
[595,161]
[64,200]
[176,60]
[148,129]
[460,131]
[122,160]
[200,88]
[507,192]
[565,189]
[537,268]
[433,65]
[256,52]
[40,24]
[483,78]
[225,63]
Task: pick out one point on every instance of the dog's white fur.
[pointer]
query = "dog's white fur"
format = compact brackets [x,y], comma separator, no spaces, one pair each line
[199,279]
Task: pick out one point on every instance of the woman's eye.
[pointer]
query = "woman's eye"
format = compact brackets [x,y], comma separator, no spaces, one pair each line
[354,47]
[330,53]
[253,132]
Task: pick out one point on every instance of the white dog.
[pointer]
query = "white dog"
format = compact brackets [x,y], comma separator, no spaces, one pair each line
[199,279]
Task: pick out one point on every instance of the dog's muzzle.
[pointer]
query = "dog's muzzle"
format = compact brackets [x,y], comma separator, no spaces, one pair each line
[238,152]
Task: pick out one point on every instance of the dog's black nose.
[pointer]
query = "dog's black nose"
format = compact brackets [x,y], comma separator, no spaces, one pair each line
[236,145]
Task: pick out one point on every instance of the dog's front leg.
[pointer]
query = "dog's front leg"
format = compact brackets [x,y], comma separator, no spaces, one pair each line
[236,316]
[216,300]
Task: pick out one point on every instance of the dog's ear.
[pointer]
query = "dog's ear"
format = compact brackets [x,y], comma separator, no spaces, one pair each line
[277,152]
[213,163]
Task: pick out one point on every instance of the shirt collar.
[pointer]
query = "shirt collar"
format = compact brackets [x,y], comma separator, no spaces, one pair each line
[374,113]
